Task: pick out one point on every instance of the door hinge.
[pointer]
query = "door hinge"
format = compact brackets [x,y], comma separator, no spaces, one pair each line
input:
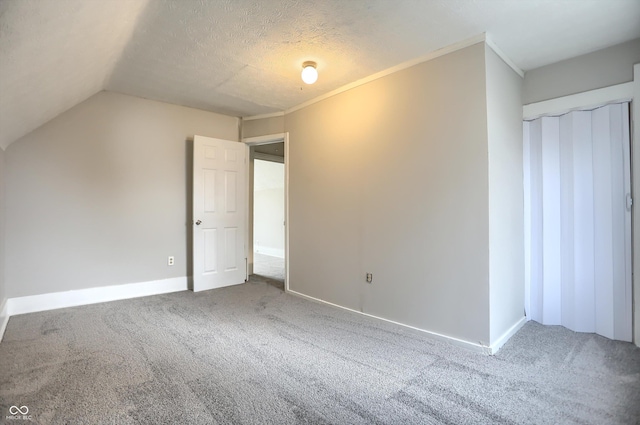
[629,202]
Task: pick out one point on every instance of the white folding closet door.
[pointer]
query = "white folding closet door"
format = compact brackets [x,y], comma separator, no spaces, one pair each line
[578,222]
[580,303]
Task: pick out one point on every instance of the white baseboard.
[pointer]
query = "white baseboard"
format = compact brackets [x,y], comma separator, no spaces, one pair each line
[4,317]
[267,250]
[508,334]
[55,300]
[477,347]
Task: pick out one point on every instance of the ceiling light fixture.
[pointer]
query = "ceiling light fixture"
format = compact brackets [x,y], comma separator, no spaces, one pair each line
[309,72]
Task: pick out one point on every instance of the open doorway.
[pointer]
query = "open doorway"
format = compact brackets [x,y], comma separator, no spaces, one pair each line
[268,211]
[267,236]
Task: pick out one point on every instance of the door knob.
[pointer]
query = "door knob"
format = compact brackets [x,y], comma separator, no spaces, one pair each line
[198,223]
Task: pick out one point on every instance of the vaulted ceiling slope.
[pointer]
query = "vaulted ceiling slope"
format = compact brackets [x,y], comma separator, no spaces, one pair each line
[243,57]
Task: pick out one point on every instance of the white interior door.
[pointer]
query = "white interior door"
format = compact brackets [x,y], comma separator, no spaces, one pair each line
[219,213]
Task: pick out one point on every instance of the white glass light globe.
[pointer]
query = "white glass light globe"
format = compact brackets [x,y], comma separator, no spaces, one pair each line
[309,74]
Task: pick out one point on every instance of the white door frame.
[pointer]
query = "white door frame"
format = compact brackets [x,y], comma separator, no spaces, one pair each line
[625,92]
[265,140]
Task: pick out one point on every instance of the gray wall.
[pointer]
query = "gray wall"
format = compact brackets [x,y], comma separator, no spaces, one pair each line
[262,127]
[506,195]
[99,195]
[391,178]
[3,292]
[635,187]
[603,68]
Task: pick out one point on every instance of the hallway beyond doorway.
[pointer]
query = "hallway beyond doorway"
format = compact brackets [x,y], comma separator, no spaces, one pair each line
[269,267]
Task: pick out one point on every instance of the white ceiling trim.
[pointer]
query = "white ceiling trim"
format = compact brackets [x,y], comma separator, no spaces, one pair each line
[242,57]
[262,116]
[404,65]
[503,56]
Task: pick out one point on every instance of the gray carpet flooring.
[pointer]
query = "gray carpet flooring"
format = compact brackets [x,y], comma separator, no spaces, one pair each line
[268,267]
[252,354]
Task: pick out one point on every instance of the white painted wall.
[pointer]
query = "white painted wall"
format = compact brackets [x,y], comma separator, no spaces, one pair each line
[602,68]
[99,195]
[268,204]
[392,178]
[506,195]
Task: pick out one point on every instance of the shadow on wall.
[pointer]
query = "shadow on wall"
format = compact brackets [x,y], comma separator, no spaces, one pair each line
[189,209]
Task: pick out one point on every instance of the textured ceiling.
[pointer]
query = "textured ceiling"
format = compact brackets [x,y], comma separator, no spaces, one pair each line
[243,57]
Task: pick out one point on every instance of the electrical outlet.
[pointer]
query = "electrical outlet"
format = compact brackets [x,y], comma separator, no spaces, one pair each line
[369,277]
[170,261]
